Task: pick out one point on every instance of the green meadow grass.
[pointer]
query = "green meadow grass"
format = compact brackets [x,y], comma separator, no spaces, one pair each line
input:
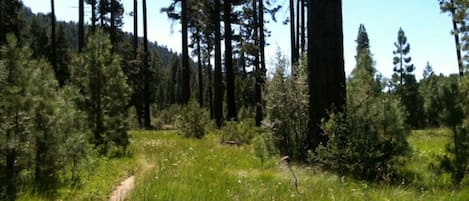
[192,169]
[99,177]
[173,168]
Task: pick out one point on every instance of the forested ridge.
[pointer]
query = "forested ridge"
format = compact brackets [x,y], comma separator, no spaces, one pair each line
[80,101]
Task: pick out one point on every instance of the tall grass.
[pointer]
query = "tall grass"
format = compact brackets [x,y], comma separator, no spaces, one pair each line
[188,169]
[98,178]
[171,167]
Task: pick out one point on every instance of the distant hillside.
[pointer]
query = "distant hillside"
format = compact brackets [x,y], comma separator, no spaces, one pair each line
[71,35]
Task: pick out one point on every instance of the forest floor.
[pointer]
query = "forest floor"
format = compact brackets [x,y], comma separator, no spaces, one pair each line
[204,169]
[166,166]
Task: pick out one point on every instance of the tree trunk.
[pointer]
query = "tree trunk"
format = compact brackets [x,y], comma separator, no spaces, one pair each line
[262,39]
[262,57]
[298,34]
[302,26]
[210,79]
[456,39]
[11,156]
[102,13]
[186,93]
[135,43]
[81,25]
[146,80]
[201,78]
[53,43]
[257,86]
[292,35]
[113,25]
[93,15]
[230,77]
[242,56]
[137,97]
[218,99]
[210,84]
[99,111]
[326,75]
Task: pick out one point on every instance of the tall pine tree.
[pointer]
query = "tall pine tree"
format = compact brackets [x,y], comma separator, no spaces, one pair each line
[402,62]
[404,82]
[458,10]
[98,75]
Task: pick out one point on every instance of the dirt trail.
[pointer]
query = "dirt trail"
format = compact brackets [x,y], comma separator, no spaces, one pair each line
[123,190]
[125,187]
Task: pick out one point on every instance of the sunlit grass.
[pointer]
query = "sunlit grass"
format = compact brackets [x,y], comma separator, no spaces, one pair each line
[99,177]
[171,167]
[189,169]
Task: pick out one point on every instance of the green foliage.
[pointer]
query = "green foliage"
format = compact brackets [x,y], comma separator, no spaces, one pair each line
[459,12]
[193,120]
[38,122]
[188,169]
[238,133]
[368,139]
[166,118]
[287,110]
[63,57]
[98,178]
[454,94]
[264,146]
[401,61]
[105,93]
[364,73]
[9,19]
[15,114]
[451,113]
[246,112]
[73,125]
[363,42]
[404,83]
[432,104]
[413,101]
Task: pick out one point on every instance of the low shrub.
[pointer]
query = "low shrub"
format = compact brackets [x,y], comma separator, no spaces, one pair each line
[166,118]
[238,133]
[287,110]
[264,147]
[367,141]
[192,120]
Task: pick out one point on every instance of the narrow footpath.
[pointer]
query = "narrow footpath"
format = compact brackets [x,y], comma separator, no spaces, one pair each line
[123,190]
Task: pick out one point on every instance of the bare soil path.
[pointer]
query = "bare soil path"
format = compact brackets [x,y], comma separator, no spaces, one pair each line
[123,190]
[126,186]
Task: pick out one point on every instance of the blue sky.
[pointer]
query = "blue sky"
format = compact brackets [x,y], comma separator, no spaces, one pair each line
[427,29]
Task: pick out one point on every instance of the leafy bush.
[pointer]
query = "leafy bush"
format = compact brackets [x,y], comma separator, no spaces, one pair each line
[368,139]
[287,110]
[247,112]
[264,147]
[238,132]
[192,120]
[166,118]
